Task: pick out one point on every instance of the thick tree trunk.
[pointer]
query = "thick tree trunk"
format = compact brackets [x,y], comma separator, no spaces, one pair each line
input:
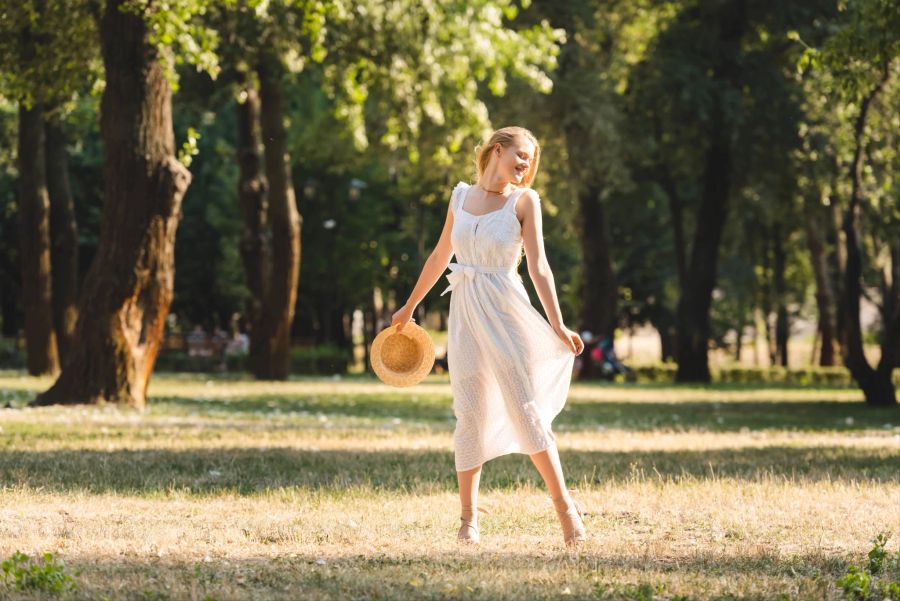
[255,239]
[34,227]
[695,299]
[128,289]
[876,384]
[696,296]
[599,288]
[64,239]
[824,291]
[285,221]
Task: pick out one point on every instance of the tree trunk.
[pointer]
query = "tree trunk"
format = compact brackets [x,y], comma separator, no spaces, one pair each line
[696,296]
[34,226]
[255,239]
[766,289]
[824,291]
[9,309]
[64,239]
[876,384]
[285,221]
[128,289]
[599,288]
[782,328]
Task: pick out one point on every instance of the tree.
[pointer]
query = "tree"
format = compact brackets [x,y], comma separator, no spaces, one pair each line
[46,55]
[372,57]
[128,289]
[860,57]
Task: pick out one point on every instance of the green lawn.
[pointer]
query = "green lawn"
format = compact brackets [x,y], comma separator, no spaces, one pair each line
[343,488]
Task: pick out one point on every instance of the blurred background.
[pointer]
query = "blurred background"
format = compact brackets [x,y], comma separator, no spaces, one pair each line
[717,176]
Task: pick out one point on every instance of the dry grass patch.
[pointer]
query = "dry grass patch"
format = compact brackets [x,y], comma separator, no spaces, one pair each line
[327,489]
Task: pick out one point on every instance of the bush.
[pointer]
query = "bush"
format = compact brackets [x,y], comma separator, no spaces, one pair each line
[323,359]
[46,574]
[10,356]
[804,376]
[872,583]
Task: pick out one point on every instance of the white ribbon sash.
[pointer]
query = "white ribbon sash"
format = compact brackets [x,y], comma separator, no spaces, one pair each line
[461,271]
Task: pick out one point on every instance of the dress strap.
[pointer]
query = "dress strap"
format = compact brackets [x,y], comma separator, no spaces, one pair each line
[457,195]
[511,201]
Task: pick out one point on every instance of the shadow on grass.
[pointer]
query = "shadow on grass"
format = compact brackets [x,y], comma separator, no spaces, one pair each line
[435,407]
[452,574]
[248,471]
[715,417]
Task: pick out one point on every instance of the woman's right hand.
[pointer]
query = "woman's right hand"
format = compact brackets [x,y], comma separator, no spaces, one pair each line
[401,316]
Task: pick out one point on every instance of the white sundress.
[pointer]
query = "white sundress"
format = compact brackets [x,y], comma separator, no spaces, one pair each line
[509,370]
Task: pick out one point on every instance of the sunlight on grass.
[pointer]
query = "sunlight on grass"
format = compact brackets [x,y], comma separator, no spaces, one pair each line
[344,488]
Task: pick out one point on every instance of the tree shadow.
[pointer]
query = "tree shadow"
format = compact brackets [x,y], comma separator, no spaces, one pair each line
[728,416]
[482,574]
[247,471]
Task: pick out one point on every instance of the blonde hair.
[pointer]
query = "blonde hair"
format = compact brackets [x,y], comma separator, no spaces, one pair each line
[504,137]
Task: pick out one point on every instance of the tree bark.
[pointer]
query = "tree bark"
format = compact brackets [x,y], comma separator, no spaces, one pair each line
[255,239]
[695,299]
[599,290]
[285,221]
[128,289]
[34,227]
[782,327]
[824,291]
[876,384]
[64,239]
[696,296]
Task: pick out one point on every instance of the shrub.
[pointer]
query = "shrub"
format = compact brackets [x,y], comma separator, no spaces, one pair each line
[864,584]
[46,574]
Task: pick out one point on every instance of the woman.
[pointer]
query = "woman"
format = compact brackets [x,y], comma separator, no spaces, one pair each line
[510,369]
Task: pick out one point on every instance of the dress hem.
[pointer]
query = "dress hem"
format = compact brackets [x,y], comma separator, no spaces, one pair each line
[520,452]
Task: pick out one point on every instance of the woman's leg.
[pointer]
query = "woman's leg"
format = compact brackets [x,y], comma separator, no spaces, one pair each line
[468,492]
[569,513]
[548,464]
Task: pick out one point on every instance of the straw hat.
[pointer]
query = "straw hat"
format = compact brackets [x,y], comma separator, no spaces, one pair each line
[402,358]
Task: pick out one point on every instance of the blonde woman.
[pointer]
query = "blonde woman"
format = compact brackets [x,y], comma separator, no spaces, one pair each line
[510,369]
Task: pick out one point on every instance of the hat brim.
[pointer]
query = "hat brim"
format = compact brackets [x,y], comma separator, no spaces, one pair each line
[402,362]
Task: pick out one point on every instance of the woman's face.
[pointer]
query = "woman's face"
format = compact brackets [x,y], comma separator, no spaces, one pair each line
[515,160]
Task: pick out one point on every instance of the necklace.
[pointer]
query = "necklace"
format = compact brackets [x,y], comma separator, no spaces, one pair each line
[486,190]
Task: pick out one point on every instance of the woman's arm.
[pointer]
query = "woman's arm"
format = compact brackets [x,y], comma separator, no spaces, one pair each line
[539,269]
[435,266]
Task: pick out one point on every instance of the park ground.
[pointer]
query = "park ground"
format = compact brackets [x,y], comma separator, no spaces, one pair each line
[343,488]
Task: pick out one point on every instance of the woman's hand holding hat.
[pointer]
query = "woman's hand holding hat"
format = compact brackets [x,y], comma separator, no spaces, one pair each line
[402,315]
[402,358]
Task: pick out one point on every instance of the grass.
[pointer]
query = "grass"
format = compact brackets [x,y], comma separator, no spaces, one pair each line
[327,488]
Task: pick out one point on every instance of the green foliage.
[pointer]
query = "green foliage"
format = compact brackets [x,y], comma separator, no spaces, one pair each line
[324,359]
[48,49]
[878,553]
[189,148]
[802,377]
[178,30]
[47,574]
[420,63]
[864,584]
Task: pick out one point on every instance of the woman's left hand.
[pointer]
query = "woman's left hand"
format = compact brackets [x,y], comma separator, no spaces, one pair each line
[571,338]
